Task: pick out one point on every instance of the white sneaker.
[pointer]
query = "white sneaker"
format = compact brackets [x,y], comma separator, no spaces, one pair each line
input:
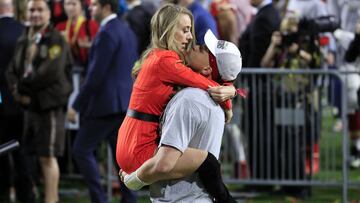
[354,162]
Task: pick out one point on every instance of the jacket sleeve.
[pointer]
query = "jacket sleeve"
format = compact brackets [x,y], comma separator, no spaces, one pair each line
[171,70]
[12,75]
[104,48]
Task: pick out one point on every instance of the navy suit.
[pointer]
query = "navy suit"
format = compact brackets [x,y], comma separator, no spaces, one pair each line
[103,100]
[11,117]
[257,36]
[11,31]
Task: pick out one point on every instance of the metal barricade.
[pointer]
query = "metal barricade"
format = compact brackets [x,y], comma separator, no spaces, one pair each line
[287,124]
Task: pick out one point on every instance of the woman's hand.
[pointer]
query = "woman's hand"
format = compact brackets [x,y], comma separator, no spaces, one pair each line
[222,93]
[228,115]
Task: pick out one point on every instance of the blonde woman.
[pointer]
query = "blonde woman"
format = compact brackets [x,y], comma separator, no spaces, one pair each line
[162,68]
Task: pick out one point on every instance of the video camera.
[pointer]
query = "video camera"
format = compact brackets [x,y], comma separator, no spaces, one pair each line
[310,28]
[318,25]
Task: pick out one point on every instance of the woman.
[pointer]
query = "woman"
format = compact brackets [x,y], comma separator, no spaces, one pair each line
[161,69]
[78,31]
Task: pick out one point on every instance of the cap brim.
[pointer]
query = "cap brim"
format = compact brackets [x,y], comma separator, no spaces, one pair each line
[210,41]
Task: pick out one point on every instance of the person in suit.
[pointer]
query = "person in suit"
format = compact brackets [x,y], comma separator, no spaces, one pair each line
[256,38]
[253,44]
[138,17]
[39,77]
[11,116]
[104,96]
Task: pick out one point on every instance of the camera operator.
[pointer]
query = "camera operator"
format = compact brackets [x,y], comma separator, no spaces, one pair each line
[291,48]
[288,48]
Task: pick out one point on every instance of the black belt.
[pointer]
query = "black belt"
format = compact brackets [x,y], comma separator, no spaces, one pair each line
[143,116]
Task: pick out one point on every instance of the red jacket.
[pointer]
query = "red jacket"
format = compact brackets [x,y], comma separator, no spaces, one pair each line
[137,139]
[87,31]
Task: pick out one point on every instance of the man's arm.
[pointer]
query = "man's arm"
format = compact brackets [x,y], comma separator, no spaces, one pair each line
[168,163]
[99,64]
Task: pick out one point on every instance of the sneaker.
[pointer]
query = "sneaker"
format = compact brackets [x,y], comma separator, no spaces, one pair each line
[354,162]
[354,158]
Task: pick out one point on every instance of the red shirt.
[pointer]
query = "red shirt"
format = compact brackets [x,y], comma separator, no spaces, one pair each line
[137,139]
[87,31]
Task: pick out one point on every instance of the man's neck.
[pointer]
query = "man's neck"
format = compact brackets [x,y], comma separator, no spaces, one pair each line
[41,28]
[107,18]
[133,4]
[6,14]
[264,3]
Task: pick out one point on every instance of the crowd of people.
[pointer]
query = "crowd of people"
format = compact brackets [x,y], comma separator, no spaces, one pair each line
[150,72]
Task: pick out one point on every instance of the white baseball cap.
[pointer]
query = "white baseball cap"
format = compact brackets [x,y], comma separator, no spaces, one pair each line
[228,56]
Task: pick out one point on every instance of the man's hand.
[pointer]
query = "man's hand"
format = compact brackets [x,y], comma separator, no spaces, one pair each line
[132,181]
[358,27]
[222,93]
[71,115]
[228,115]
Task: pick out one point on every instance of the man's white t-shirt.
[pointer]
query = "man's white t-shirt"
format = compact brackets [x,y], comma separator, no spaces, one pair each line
[191,119]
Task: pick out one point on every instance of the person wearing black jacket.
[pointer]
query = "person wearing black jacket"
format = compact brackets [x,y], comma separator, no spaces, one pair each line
[256,38]
[11,116]
[40,79]
[138,17]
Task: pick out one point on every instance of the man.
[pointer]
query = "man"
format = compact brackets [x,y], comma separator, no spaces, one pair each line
[203,20]
[104,96]
[256,38]
[139,16]
[191,120]
[11,116]
[40,80]
[253,44]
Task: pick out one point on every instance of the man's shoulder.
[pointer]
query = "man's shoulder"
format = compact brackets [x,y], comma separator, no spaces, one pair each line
[194,96]
[117,29]
[191,93]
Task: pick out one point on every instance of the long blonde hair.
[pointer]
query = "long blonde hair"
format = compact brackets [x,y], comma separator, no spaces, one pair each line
[163,27]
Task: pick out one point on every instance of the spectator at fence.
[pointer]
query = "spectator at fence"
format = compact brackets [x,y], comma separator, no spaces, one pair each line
[253,45]
[11,115]
[256,38]
[40,80]
[78,31]
[352,56]
[292,49]
[310,10]
[104,95]
[203,20]
[138,17]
